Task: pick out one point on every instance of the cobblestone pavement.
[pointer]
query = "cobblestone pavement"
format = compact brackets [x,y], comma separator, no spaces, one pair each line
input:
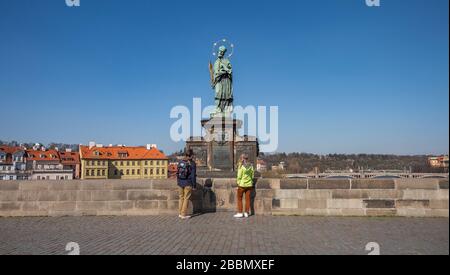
[219,233]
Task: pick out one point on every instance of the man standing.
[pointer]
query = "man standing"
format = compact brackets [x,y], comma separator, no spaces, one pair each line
[186,179]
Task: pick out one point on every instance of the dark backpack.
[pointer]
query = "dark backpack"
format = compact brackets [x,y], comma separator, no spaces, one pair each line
[183,170]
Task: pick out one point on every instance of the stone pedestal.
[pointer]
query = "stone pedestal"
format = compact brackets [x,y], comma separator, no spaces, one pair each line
[219,150]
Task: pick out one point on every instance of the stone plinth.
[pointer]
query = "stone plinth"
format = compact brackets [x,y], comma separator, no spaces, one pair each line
[220,148]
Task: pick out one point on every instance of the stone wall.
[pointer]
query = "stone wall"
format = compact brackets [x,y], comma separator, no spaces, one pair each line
[402,197]
[425,197]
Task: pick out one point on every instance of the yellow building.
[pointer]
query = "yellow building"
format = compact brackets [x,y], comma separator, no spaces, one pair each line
[119,162]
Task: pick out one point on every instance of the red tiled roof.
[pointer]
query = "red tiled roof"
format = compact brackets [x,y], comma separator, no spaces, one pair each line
[10,149]
[112,153]
[49,155]
[173,167]
[69,158]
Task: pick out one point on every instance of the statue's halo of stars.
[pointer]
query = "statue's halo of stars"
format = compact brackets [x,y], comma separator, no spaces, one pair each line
[227,44]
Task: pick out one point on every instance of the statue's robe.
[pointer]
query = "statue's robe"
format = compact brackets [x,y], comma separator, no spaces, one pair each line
[223,80]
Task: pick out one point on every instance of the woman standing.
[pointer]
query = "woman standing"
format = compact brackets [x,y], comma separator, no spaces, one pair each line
[245,178]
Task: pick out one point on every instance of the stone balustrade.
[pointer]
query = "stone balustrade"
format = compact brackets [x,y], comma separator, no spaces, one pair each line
[323,197]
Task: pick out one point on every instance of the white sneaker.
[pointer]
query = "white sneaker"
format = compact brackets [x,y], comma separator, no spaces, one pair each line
[179,216]
[239,215]
[245,215]
[185,217]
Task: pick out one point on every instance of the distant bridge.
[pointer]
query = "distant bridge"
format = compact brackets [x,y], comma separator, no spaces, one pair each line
[371,175]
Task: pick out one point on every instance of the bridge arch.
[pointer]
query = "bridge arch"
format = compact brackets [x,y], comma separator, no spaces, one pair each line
[387,176]
[297,177]
[339,177]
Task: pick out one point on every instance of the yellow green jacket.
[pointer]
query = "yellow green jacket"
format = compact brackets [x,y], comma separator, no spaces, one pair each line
[245,176]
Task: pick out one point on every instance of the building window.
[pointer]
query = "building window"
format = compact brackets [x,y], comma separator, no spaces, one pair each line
[103,172]
[157,163]
[157,171]
[115,172]
[138,171]
[39,177]
[132,171]
[98,172]
[66,177]
[87,173]
[146,171]
[146,163]
[128,171]
[151,171]
[121,172]
[121,163]
[151,162]
[163,171]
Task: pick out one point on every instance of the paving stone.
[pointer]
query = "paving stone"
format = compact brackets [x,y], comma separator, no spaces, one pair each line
[215,234]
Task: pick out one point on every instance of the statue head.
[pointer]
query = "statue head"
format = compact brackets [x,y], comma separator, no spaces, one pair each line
[222,51]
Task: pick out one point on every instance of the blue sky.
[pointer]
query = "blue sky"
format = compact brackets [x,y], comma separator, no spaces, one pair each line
[347,78]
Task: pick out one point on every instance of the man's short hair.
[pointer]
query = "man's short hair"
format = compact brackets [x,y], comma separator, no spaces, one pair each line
[189,153]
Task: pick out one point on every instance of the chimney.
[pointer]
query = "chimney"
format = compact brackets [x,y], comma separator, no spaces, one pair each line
[151,146]
[91,144]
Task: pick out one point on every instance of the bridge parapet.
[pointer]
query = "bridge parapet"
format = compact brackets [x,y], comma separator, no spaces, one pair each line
[379,175]
[313,196]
